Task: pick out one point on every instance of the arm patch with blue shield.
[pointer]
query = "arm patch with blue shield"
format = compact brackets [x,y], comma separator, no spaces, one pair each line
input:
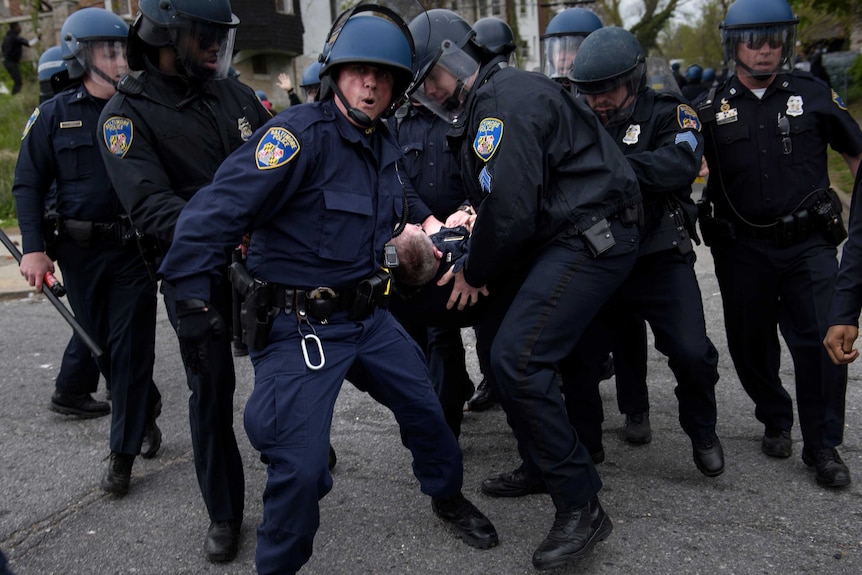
[687,118]
[118,133]
[276,148]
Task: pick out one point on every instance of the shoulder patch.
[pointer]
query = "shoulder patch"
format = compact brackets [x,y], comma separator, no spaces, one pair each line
[32,120]
[488,138]
[838,101]
[687,118]
[118,133]
[275,148]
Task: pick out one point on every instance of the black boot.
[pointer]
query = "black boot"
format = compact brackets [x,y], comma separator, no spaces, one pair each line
[574,533]
[708,455]
[831,470]
[118,475]
[222,541]
[513,484]
[81,405]
[483,398]
[476,529]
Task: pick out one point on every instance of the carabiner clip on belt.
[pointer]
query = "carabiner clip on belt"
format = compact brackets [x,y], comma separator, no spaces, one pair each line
[302,316]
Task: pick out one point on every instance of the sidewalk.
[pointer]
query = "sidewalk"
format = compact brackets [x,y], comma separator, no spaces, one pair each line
[12,285]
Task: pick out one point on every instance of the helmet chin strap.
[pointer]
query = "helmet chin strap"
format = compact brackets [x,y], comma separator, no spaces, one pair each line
[103,76]
[453,102]
[354,114]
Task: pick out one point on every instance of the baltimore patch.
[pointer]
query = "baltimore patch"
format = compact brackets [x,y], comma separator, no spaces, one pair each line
[488,138]
[838,101]
[118,133]
[687,117]
[276,148]
[32,120]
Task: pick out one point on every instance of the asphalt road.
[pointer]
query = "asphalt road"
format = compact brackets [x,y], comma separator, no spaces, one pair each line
[762,516]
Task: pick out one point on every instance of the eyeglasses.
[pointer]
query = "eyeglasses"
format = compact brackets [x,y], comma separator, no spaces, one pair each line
[784,132]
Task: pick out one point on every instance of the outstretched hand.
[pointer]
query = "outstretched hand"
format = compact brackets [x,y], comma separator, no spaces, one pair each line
[463,294]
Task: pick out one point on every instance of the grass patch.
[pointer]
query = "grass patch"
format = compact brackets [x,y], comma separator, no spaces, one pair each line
[14,112]
[839,175]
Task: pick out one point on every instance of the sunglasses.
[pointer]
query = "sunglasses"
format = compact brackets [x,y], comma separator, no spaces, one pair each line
[756,41]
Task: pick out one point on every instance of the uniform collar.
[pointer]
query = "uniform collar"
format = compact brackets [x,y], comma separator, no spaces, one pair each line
[781,82]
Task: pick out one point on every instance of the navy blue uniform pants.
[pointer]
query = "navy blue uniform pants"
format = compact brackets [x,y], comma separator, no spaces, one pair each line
[289,414]
[114,300]
[662,289]
[79,372]
[218,463]
[763,287]
[630,366]
[551,307]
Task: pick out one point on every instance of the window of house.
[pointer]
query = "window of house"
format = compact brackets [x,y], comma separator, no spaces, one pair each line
[258,65]
[119,7]
[284,6]
[496,8]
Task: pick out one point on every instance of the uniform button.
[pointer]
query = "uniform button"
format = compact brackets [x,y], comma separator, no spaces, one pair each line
[431,185]
[430,163]
[763,152]
[761,126]
[594,218]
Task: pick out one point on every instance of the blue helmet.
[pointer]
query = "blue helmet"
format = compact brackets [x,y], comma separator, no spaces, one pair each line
[610,58]
[494,35]
[571,22]
[52,72]
[84,27]
[694,73]
[261,95]
[755,23]
[347,43]
[708,76]
[445,42]
[562,40]
[163,23]
[311,76]
[51,62]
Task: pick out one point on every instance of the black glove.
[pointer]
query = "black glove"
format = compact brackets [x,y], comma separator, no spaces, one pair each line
[197,325]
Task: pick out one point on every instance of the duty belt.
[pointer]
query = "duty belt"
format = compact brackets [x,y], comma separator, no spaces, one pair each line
[320,303]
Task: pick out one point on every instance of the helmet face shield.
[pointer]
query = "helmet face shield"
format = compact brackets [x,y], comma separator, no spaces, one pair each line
[104,61]
[204,49]
[761,38]
[559,55]
[613,100]
[444,83]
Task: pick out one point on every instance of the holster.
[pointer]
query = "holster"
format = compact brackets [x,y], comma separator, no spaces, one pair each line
[51,233]
[371,291]
[257,311]
[714,231]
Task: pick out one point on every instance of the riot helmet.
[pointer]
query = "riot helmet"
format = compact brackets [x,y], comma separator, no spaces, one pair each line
[310,82]
[762,26]
[610,70]
[708,76]
[348,43]
[52,72]
[93,43]
[495,36]
[693,74]
[201,33]
[562,40]
[448,59]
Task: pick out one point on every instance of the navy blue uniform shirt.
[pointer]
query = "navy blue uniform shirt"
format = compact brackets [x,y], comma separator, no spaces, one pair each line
[762,181]
[320,196]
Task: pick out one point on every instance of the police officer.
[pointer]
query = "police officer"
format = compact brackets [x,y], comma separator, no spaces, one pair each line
[677,75]
[693,84]
[550,243]
[561,40]
[659,133]
[775,227]
[318,188]
[165,133]
[110,290]
[79,374]
[436,198]
[310,83]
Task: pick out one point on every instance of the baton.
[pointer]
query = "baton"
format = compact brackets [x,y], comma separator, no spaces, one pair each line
[54,292]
